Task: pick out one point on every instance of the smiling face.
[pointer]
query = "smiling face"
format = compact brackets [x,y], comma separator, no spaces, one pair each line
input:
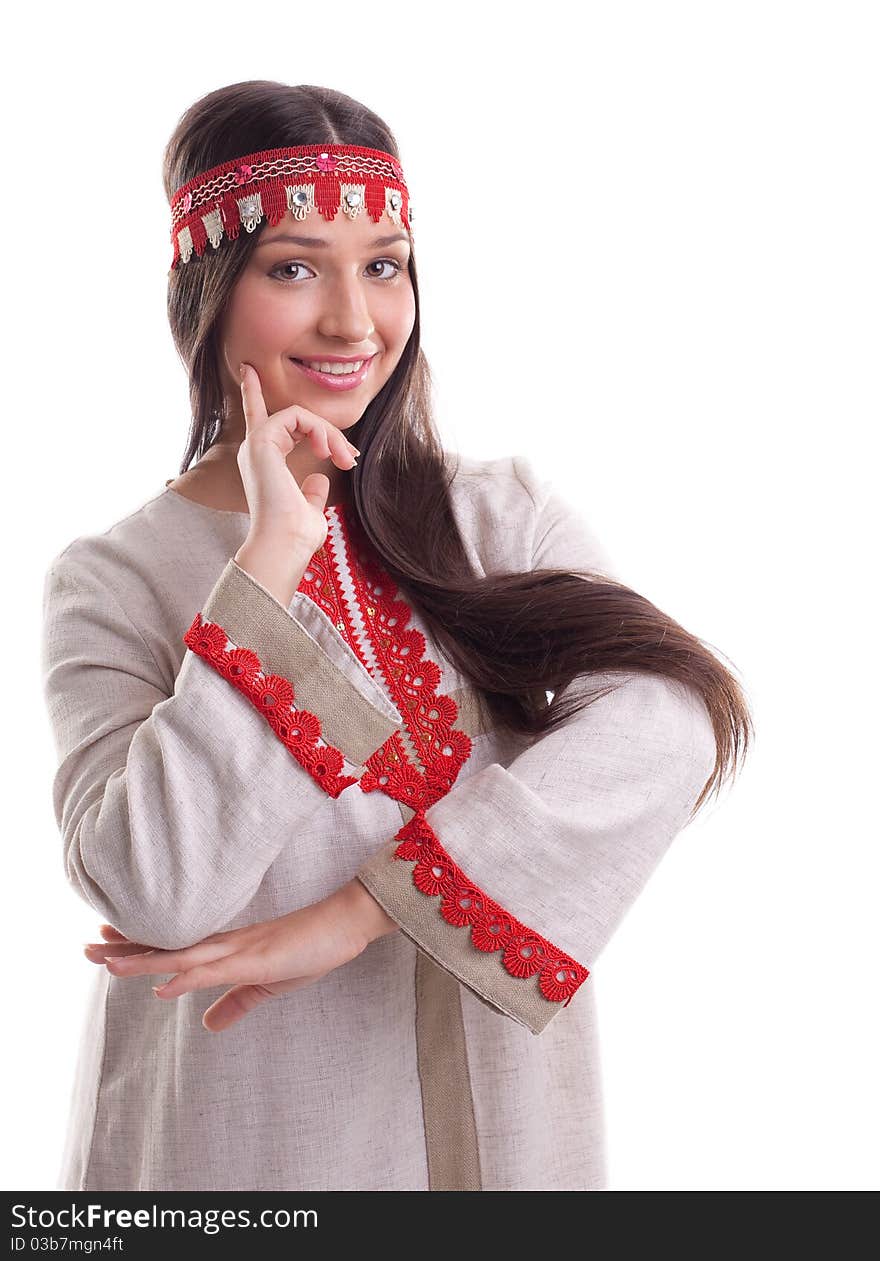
[339,290]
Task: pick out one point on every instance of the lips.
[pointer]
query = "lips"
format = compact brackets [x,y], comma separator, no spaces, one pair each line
[338,381]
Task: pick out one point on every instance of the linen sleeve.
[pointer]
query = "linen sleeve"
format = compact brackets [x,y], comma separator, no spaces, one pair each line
[516,879]
[172,804]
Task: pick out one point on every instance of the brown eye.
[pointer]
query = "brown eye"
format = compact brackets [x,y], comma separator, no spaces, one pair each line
[387,262]
[281,266]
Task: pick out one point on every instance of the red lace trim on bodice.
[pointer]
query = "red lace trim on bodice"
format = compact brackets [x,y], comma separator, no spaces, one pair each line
[357,595]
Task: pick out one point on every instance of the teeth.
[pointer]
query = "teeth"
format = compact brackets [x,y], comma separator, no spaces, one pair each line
[335,369]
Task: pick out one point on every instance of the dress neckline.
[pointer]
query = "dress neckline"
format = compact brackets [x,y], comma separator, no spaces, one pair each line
[231,512]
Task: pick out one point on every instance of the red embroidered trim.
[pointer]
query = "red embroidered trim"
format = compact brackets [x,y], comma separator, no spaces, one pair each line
[411,677]
[525,952]
[272,694]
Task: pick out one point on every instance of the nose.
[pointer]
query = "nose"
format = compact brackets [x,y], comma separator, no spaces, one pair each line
[346,313]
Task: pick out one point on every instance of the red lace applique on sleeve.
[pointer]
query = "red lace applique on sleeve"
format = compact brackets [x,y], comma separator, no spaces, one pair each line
[297,729]
[523,951]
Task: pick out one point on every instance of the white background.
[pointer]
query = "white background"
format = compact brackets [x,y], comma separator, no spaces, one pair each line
[647,238]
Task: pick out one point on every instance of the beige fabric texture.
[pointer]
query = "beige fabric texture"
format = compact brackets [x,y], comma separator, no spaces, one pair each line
[421,1065]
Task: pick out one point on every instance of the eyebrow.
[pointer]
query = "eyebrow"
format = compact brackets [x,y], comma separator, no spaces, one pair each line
[319,242]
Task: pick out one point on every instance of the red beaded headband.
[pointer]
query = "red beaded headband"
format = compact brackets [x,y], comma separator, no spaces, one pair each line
[271,182]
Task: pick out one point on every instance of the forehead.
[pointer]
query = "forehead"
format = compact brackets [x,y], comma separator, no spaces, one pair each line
[341,233]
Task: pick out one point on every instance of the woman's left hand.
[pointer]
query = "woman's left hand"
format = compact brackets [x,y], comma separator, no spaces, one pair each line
[260,960]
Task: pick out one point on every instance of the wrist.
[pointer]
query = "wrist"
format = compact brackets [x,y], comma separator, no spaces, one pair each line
[277,565]
[368,916]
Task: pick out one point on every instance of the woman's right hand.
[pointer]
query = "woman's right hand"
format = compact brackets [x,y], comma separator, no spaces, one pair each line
[281,510]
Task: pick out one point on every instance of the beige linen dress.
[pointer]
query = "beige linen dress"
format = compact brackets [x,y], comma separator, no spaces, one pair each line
[223,759]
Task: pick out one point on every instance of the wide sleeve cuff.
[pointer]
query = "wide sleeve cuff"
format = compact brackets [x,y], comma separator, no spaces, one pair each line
[311,688]
[516,878]
[501,959]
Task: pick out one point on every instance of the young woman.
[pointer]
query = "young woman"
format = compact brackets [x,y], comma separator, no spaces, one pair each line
[368,756]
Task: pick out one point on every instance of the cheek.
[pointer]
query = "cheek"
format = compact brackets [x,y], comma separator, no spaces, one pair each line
[259,316]
[400,317]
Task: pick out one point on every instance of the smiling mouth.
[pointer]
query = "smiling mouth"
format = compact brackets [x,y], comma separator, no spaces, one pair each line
[344,379]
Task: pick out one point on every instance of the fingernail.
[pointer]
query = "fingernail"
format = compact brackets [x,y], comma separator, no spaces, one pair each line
[156,989]
[241,368]
[113,958]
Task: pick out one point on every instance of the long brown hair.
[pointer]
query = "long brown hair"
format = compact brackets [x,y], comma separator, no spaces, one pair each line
[516,636]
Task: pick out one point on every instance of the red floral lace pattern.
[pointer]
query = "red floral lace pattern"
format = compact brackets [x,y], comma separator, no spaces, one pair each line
[357,595]
[524,952]
[297,729]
